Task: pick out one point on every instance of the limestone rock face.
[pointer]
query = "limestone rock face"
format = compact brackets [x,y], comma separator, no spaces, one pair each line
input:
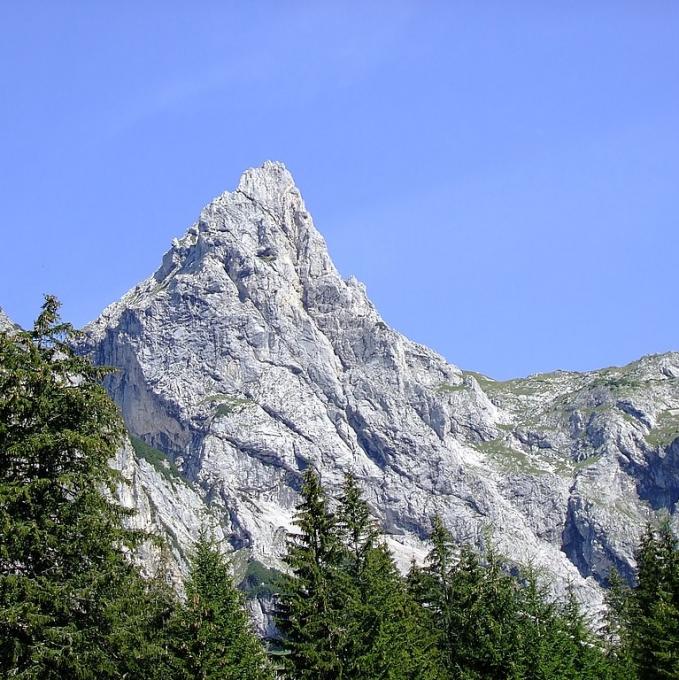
[165,504]
[246,358]
[6,325]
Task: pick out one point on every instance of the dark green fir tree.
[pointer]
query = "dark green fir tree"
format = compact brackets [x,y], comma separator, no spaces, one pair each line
[581,653]
[432,588]
[67,590]
[356,528]
[211,635]
[654,607]
[313,593]
[616,628]
[539,632]
[387,632]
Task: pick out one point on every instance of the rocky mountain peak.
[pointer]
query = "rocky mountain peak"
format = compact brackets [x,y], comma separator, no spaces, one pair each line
[6,324]
[246,358]
[268,185]
[262,238]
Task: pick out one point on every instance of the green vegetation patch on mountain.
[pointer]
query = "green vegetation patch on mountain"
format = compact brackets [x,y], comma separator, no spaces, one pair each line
[511,459]
[157,459]
[448,388]
[666,429]
[228,404]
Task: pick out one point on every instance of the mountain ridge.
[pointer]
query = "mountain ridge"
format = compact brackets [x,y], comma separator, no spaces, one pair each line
[246,357]
[315,372]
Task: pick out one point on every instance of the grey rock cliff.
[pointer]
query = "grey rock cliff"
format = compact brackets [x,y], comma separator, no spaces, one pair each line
[246,358]
[6,324]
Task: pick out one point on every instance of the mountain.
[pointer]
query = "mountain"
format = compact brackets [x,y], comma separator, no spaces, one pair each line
[6,324]
[246,357]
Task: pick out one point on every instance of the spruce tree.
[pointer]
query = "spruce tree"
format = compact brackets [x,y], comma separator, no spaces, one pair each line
[211,637]
[492,625]
[581,652]
[469,639]
[392,636]
[617,627]
[356,528]
[496,605]
[387,636]
[313,593]
[654,607]
[140,620]
[431,587]
[538,653]
[65,580]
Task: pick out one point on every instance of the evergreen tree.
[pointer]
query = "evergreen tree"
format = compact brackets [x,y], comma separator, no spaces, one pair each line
[441,558]
[67,590]
[474,607]
[211,635]
[431,587]
[654,607]
[391,632]
[538,653]
[616,630]
[496,603]
[386,635]
[483,618]
[581,653]
[493,625]
[140,620]
[356,528]
[313,593]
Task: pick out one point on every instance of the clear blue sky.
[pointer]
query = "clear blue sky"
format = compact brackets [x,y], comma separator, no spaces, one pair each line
[504,177]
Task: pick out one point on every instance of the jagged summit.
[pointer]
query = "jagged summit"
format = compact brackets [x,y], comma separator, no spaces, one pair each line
[259,239]
[267,184]
[246,357]
[5,322]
